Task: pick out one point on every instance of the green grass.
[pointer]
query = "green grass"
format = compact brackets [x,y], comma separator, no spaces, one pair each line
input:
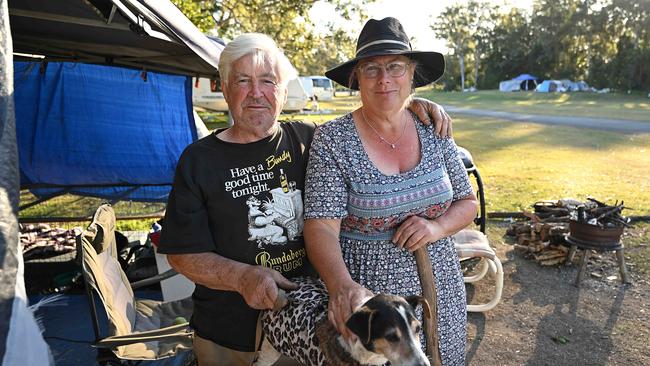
[524,162]
[637,248]
[520,162]
[76,206]
[611,105]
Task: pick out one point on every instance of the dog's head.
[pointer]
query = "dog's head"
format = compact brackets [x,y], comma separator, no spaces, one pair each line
[387,325]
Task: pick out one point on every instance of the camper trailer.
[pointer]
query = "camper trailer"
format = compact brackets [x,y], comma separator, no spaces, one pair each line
[318,86]
[207,94]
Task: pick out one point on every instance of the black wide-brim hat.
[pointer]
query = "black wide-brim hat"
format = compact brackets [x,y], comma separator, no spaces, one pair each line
[387,37]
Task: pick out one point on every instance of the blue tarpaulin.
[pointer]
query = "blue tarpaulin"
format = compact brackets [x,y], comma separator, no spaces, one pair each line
[100,131]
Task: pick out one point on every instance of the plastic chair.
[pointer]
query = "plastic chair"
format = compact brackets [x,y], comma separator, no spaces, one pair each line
[138,329]
[471,243]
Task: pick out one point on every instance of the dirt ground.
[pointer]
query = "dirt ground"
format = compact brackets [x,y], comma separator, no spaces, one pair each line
[544,319]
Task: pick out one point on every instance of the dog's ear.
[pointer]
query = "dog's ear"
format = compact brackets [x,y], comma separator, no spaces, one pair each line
[414,300]
[359,323]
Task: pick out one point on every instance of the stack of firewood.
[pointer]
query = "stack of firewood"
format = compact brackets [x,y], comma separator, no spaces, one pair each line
[43,241]
[542,237]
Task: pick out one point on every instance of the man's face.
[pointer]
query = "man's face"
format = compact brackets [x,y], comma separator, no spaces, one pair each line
[254,94]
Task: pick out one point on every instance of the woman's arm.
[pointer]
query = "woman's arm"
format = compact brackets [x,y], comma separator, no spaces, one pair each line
[324,252]
[417,231]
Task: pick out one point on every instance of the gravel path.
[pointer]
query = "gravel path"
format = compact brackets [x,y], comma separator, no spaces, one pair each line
[544,319]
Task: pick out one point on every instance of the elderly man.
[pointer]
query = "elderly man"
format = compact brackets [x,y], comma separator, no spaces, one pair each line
[234,218]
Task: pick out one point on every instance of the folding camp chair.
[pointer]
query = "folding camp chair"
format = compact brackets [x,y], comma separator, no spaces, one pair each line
[138,329]
[471,243]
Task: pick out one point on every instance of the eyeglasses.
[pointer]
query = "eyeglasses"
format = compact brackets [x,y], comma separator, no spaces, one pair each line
[394,69]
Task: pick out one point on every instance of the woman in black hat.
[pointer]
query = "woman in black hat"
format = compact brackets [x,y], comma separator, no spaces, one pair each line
[380,185]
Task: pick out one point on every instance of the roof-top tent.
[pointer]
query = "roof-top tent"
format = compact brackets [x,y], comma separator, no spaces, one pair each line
[146,35]
[152,37]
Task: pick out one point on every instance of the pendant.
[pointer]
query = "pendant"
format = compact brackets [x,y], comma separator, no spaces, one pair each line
[392,146]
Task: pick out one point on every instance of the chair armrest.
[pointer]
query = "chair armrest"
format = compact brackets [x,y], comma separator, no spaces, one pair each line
[155,279]
[471,252]
[174,331]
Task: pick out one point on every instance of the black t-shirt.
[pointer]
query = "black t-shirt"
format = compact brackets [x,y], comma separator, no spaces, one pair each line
[243,202]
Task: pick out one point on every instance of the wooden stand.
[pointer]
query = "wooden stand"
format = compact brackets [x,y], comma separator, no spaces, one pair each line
[620,259]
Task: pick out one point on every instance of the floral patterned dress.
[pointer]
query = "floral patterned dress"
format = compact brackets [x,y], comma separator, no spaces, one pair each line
[342,183]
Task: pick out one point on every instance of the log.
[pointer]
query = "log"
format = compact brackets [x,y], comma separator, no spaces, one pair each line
[523,239]
[524,247]
[552,262]
[428,283]
[550,254]
[561,248]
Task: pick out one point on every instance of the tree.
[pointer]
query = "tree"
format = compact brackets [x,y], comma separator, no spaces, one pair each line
[631,22]
[508,48]
[197,11]
[481,33]
[454,26]
[467,29]
[329,50]
[287,22]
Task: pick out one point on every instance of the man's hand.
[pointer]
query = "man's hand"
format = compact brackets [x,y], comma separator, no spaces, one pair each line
[427,111]
[259,286]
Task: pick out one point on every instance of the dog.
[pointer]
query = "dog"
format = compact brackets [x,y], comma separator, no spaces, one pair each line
[386,328]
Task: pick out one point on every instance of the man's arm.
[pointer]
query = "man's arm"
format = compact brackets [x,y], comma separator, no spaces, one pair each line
[258,285]
[428,111]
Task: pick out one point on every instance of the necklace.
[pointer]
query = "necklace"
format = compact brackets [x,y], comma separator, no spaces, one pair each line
[391,144]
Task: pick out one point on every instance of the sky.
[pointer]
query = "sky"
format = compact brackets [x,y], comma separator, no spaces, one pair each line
[415,15]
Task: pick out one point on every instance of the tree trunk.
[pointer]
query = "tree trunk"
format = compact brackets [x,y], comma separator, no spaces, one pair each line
[476,66]
[461,63]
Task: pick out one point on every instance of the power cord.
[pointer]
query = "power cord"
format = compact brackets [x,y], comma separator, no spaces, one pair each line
[68,340]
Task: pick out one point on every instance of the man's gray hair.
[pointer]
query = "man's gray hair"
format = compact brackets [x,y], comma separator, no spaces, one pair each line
[263,49]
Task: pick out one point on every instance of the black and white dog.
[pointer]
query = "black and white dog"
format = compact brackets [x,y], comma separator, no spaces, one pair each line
[386,327]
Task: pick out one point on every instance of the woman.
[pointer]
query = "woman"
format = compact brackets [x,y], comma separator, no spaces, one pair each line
[381,185]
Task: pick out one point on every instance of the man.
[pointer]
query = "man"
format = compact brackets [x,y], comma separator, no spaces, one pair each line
[234,218]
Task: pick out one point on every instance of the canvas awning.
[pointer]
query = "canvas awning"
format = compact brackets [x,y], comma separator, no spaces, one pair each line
[145,34]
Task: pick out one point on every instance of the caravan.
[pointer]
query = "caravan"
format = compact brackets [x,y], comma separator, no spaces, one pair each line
[207,94]
[318,86]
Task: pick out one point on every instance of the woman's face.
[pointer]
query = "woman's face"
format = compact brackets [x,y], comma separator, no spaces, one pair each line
[385,81]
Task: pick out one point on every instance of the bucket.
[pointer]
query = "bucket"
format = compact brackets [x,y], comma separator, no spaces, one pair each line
[594,234]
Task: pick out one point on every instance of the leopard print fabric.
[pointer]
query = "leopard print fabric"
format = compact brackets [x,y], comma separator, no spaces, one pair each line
[291,331]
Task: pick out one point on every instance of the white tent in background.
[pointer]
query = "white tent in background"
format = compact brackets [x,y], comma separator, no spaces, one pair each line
[521,82]
[574,85]
[510,85]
